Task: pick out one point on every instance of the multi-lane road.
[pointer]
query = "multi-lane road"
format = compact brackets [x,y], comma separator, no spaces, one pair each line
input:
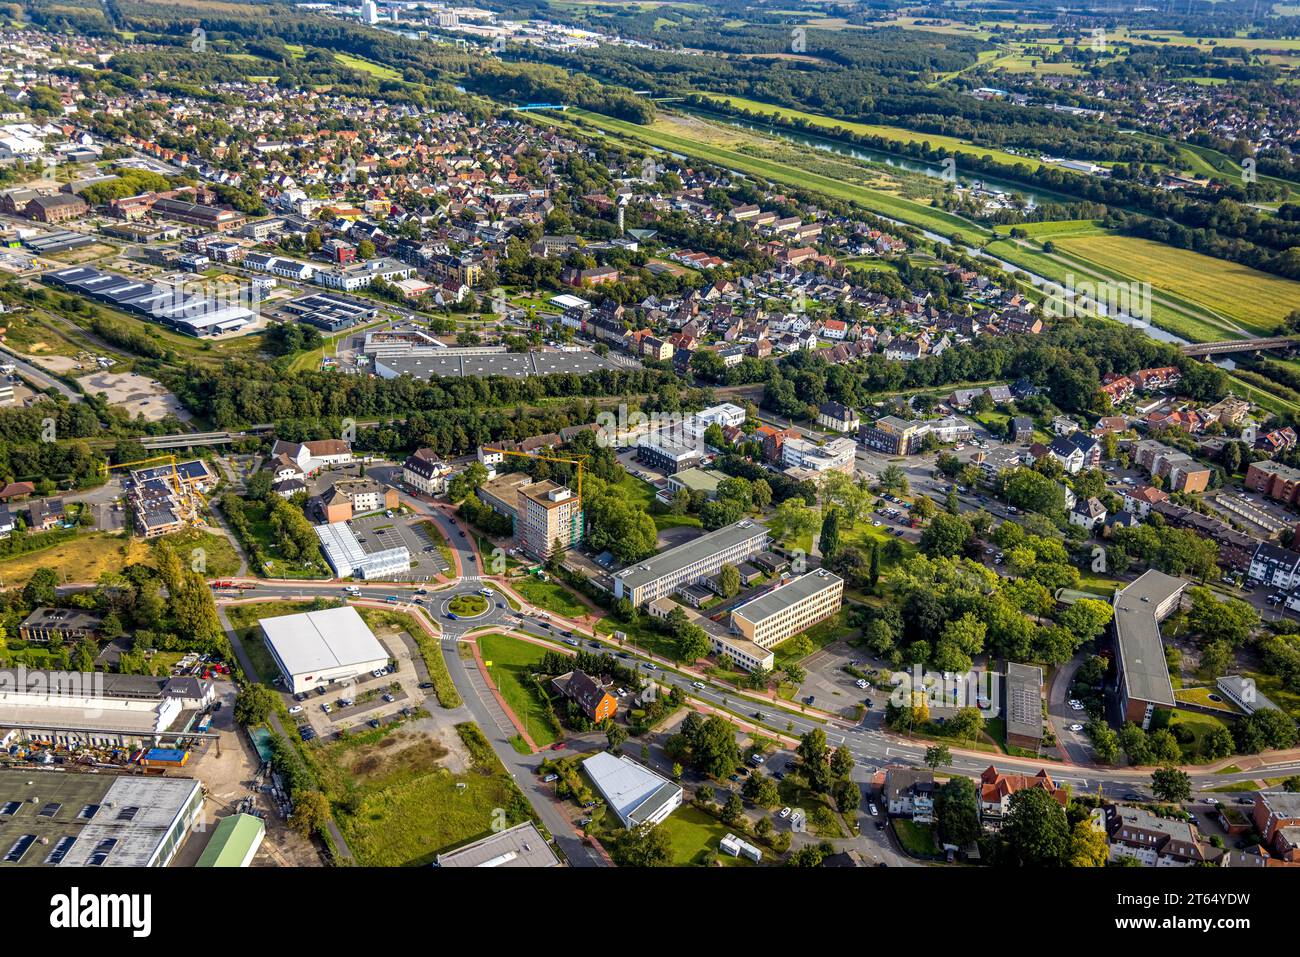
[872,747]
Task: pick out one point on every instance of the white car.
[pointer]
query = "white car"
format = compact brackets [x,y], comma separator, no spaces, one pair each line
[296,709]
[785,813]
[861,683]
[698,684]
[326,708]
[1076,728]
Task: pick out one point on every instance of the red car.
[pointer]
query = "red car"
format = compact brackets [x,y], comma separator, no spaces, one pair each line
[558,746]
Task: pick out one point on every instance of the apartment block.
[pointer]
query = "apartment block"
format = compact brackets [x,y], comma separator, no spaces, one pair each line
[1279,482]
[1181,472]
[548,515]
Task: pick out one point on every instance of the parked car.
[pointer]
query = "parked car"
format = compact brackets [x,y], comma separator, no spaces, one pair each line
[296,709]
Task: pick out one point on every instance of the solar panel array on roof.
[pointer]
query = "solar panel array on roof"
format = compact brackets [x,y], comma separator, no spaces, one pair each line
[174,308]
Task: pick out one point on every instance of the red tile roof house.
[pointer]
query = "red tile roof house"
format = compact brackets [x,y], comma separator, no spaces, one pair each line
[588,694]
[996,790]
[16,490]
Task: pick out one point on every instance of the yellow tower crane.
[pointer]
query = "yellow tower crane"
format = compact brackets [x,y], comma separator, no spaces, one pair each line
[544,458]
[184,494]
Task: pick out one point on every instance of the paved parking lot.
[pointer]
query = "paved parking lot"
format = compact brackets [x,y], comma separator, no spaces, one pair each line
[403,685]
[377,532]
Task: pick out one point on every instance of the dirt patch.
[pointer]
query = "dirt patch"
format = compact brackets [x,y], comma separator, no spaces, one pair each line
[139,395]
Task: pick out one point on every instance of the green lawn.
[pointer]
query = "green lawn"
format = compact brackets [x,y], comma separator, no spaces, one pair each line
[641,634]
[820,635]
[468,606]
[917,839]
[244,619]
[508,660]
[1199,725]
[550,595]
[693,832]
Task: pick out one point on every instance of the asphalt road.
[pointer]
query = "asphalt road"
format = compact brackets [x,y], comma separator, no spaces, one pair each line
[872,747]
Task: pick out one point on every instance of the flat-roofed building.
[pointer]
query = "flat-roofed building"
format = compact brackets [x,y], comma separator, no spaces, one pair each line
[79,709]
[501,494]
[1143,675]
[59,624]
[316,648]
[71,819]
[1024,706]
[518,846]
[690,562]
[704,481]
[349,558]
[789,608]
[635,793]
[743,652]
[667,454]
[893,435]
[549,517]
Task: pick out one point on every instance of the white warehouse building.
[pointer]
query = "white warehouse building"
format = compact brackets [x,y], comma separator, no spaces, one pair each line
[635,793]
[316,648]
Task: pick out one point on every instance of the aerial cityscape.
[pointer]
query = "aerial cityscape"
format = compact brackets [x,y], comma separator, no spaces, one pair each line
[650,433]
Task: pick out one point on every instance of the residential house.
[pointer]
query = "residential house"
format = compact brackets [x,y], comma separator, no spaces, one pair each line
[996,790]
[425,472]
[588,694]
[45,513]
[1154,841]
[909,792]
[838,417]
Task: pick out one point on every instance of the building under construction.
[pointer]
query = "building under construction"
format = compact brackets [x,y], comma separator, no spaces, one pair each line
[547,516]
[168,497]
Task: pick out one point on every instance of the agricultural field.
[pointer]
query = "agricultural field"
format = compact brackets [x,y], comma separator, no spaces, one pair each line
[1180,316]
[1257,300]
